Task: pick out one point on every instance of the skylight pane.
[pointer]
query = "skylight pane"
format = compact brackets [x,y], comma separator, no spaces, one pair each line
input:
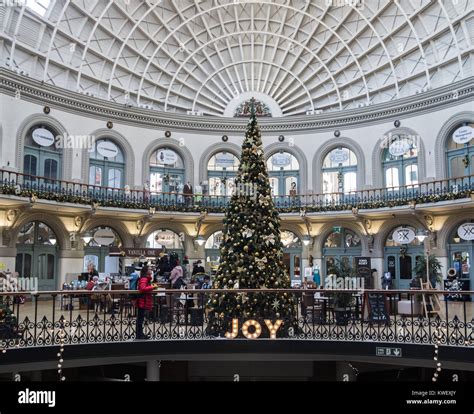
[38,6]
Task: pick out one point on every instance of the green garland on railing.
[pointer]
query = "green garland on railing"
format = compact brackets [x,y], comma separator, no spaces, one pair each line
[196,208]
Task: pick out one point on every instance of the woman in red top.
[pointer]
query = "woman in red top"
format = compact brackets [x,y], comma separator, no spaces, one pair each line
[145,300]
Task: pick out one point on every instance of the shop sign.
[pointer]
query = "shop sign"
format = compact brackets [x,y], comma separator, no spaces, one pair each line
[399,147]
[104,237]
[466,231]
[463,134]
[391,352]
[165,238]
[107,149]
[167,157]
[363,267]
[224,160]
[43,137]
[339,156]
[281,160]
[257,328]
[403,235]
[132,252]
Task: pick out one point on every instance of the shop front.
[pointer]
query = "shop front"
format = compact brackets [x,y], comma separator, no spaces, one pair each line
[292,256]
[341,244]
[461,253]
[37,255]
[98,243]
[402,251]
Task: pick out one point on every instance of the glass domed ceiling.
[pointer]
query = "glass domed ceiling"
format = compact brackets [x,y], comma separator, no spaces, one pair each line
[206,57]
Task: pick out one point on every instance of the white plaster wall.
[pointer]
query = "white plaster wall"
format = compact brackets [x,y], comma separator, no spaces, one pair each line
[68,265]
[15,111]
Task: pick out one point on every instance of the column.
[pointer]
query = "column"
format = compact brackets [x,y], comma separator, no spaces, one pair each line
[153,370]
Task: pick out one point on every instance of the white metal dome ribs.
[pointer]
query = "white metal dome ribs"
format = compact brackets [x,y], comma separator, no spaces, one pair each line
[199,55]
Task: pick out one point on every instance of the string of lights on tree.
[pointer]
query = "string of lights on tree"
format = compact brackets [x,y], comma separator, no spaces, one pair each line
[251,248]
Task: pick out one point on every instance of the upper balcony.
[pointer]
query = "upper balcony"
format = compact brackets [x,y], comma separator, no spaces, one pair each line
[42,188]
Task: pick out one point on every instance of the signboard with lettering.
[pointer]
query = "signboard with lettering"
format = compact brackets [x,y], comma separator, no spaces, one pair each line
[403,235]
[224,160]
[104,237]
[375,307]
[167,157]
[132,252]
[463,134]
[281,160]
[386,351]
[107,149]
[399,147]
[43,137]
[466,231]
[339,155]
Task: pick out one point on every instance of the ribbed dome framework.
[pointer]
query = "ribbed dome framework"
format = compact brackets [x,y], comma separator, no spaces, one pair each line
[193,55]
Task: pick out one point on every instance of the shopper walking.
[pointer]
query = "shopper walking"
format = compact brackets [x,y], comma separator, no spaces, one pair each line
[144,301]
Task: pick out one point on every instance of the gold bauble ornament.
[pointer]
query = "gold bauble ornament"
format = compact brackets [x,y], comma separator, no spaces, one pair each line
[246,248]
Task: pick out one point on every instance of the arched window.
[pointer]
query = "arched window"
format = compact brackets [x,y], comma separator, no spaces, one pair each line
[212,251]
[222,170]
[106,165]
[400,162]
[42,156]
[340,244]
[340,171]
[402,255]
[284,173]
[166,171]
[292,251]
[37,254]
[97,244]
[460,151]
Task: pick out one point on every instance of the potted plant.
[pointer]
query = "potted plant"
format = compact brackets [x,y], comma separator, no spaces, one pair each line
[434,267]
[343,274]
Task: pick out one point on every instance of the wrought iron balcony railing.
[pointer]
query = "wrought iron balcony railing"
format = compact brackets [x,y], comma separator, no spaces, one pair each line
[386,316]
[14,183]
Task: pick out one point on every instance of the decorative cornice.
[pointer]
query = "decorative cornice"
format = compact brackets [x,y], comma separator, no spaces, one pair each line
[41,93]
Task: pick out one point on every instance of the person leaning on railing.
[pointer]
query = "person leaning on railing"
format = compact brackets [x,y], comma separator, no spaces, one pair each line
[144,301]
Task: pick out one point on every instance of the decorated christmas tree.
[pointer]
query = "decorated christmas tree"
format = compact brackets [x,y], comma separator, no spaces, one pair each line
[251,249]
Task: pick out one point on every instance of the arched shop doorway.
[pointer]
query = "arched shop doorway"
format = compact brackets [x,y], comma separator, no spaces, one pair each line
[166,171]
[284,174]
[292,255]
[340,244]
[97,243]
[37,254]
[212,252]
[461,253]
[402,251]
[167,240]
[42,158]
[222,170]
